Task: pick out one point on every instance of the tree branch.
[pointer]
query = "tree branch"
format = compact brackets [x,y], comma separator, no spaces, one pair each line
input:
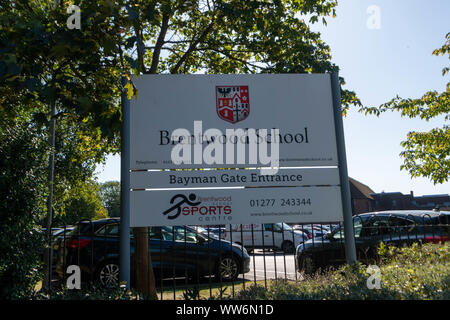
[78,74]
[159,43]
[140,51]
[228,55]
[192,47]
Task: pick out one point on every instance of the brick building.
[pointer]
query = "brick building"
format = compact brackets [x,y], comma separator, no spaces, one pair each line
[400,201]
[365,199]
[362,200]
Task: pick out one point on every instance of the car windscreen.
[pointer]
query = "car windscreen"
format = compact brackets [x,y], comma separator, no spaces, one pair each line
[285,226]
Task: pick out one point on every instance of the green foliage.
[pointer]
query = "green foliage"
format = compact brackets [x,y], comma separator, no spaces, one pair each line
[425,154]
[417,272]
[82,202]
[110,196]
[93,293]
[22,168]
[43,62]
[234,36]
[445,49]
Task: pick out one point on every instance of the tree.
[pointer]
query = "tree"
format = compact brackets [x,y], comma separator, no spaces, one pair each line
[110,196]
[425,154]
[49,73]
[82,202]
[44,62]
[214,36]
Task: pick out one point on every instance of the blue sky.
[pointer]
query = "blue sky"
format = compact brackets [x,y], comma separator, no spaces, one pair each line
[379,64]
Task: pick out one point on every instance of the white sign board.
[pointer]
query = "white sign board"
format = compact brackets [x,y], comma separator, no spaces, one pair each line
[296,110]
[300,106]
[236,206]
[233,178]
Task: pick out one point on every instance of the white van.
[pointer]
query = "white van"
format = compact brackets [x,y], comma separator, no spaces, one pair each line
[276,236]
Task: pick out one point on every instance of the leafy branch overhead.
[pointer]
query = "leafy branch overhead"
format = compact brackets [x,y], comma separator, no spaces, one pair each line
[425,154]
[231,37]
[42,60]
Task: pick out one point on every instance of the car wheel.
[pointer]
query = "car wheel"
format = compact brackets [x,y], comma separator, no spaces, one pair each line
[108,274]
[288,247]
[227,269]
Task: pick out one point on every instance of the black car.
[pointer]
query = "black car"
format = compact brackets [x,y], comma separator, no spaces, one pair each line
[175,252]
[396,228]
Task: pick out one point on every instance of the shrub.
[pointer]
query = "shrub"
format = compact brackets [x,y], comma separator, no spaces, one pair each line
[91,293]
[22,166]
[417,272]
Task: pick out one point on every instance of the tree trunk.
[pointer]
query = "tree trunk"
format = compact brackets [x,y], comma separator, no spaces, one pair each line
[145,278]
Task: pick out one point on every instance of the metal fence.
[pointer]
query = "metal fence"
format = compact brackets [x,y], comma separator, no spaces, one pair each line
[223,259]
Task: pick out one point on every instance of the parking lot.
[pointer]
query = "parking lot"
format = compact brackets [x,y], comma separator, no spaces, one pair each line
[185,256]
[270,265]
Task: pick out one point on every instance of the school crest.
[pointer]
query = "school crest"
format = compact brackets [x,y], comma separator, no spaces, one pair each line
[232,103]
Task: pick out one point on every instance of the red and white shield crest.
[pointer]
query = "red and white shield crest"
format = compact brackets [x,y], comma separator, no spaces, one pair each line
[232,103]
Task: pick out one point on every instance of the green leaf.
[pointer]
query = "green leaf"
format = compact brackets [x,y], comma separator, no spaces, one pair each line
[129,88]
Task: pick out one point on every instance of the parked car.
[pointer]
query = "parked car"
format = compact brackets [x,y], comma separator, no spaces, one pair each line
[58,241]
[175,252]
[213,232]
[62,233]
[311,232]
[57,232]
[219,232]
[56,235]
[54,231]
[205,231]
[276,236]
[396,228]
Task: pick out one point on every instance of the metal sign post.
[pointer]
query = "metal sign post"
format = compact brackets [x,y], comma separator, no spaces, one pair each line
[125,190]
[350,248]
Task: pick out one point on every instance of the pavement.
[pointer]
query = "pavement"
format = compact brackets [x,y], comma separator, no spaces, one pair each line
[271,265]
